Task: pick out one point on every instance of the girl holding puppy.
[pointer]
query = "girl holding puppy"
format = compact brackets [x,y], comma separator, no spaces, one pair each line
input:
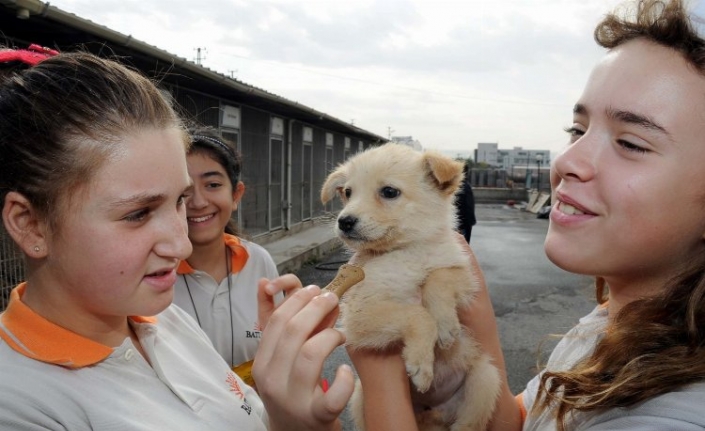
[635,153]
[92,183]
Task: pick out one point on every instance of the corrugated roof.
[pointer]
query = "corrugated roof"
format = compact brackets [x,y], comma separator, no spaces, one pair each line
[36,8]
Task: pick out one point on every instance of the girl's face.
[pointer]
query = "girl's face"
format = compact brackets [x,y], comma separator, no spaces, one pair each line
[122,237]
[212,200]
[629,201]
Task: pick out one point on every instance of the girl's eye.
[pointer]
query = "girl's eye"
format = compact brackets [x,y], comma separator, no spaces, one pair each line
[628,146]
[213,185]
[574,133]
[389,192]
[137,216]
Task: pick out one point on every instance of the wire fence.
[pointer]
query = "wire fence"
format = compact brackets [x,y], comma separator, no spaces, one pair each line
[11,267]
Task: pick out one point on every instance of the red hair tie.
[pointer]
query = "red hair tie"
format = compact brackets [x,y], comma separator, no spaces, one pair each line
[31,56]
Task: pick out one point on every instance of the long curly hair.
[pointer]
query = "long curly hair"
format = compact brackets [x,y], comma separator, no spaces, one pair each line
[653,345]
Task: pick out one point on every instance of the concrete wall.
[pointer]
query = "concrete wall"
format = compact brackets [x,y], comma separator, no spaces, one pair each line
[485,195]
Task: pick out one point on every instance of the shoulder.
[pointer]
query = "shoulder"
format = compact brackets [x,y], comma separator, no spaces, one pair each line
[36,395]
[678,410]
[174,320]
[579,341]
[260,257]
[254,248]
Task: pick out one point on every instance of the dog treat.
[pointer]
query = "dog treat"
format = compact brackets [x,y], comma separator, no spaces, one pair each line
[348,275]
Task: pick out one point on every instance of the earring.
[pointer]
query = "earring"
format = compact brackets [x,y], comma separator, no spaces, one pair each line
[36,249]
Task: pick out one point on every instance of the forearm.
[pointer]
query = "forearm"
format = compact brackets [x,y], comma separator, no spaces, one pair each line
[387,396]
[507,416]
[480,318]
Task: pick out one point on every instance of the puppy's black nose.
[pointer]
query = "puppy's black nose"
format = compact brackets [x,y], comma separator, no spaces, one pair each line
[347,223]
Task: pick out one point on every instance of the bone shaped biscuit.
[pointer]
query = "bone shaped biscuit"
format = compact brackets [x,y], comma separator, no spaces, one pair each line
[348,275]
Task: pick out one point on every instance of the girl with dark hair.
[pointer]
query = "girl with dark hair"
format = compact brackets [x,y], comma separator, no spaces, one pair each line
[92,183]
[217,283]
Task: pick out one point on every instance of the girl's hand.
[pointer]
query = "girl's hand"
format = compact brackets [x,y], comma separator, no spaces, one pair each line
[297,339]
[268,289]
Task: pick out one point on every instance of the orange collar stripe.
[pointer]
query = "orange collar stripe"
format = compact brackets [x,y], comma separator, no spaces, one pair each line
[238,253]
[35,337]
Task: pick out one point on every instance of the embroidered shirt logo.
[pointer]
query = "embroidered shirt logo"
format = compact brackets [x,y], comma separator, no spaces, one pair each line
[235,386]
[237,389]
[255,333]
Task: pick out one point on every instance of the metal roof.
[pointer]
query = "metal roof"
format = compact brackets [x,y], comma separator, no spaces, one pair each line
[33,21]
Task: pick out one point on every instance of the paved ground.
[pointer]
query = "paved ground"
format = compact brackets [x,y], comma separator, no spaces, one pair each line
[531,297]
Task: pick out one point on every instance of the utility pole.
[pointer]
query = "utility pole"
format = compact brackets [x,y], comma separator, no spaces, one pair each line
[389,132]
[200,55]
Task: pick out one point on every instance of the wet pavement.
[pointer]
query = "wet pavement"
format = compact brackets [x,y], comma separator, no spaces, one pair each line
[532,298]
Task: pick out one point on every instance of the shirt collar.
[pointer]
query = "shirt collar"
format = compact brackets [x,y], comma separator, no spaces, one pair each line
[37,338]
[238,256]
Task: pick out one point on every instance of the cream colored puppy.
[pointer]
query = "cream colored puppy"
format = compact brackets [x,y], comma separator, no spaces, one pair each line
[399,218]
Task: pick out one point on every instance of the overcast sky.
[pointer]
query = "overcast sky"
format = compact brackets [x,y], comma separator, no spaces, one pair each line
[448,73]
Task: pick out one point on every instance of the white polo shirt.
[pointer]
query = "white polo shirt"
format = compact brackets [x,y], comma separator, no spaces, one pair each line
[250,262]
[680,410]
[55,379]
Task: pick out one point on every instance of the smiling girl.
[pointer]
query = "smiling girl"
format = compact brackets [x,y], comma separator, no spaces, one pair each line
[629,209]
[217,283]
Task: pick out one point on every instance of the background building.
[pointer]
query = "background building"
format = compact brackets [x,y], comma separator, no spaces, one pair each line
[490,154]
[517,167]
[487,153]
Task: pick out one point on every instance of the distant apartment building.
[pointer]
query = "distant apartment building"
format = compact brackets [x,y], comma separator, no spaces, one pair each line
[409,141]
[509,160]
[487,153]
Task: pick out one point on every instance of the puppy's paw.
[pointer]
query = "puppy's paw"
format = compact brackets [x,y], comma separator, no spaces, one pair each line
[448,334]
[421,374]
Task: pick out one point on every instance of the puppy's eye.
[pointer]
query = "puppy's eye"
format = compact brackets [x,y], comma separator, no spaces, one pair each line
[389,192]
[347,192]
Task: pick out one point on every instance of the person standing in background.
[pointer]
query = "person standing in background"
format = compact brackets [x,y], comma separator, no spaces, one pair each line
[465,206]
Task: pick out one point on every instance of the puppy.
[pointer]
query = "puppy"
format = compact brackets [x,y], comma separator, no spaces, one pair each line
[399,219]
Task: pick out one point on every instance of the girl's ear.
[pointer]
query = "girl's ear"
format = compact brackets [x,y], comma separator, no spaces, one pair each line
[24,226]
[238,191]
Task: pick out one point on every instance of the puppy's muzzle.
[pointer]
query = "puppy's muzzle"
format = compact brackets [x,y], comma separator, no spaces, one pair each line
[347,224]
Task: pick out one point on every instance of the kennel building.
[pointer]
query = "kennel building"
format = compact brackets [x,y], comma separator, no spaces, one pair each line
[287,148]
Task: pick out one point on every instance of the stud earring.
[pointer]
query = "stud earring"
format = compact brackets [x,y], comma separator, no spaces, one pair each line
[36,249]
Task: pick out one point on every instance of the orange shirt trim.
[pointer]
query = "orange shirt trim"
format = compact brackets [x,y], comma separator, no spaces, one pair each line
[238,256]
[35,337]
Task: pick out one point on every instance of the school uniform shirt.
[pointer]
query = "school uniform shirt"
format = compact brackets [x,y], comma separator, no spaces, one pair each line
[207,301]
[680,410]
[54,379]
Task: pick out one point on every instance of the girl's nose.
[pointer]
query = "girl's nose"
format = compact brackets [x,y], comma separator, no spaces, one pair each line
[173,241]
[576,162]
[197,199]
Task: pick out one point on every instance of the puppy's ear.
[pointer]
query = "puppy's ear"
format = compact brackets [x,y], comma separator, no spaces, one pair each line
[443,171]
[334,181]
